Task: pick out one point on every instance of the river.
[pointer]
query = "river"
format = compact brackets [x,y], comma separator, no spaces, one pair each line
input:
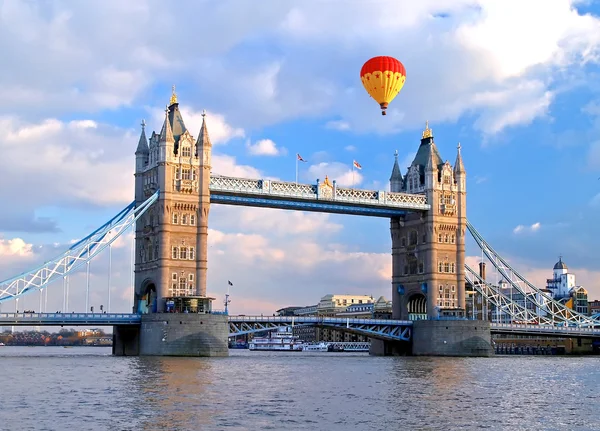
[85,388]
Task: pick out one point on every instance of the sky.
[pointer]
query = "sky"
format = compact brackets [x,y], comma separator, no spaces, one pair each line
[516,83]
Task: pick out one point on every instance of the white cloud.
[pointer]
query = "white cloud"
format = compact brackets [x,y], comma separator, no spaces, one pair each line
[338,125]
[527,229]
[265,147]
[15,247]
[340,172]
[484,67]
[350,148]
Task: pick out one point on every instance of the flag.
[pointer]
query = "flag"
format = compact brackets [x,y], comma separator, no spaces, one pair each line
[299,157]
[230,283]
[357,165]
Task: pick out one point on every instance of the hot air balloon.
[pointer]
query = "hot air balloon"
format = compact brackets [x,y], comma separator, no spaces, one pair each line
[383,78]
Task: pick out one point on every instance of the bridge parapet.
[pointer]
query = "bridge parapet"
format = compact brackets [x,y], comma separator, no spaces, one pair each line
[319,191]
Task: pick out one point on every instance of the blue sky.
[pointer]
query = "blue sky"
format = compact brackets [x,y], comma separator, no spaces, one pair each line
[523,104]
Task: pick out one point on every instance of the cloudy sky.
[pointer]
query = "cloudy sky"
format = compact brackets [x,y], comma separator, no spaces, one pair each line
[516,86]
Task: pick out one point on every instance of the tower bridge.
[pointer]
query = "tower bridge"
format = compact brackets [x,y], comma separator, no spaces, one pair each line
[174,189]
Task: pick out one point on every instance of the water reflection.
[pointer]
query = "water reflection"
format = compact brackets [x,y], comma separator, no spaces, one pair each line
[46,389]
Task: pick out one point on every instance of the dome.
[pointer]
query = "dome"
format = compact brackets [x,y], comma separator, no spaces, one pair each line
[560,264]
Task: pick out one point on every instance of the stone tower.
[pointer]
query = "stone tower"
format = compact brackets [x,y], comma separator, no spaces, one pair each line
[428,249]
[171,237]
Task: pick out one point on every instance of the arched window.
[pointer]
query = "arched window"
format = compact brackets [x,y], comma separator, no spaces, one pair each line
[174,253]
[192,220]
[183,253]
[182,285]
[440,237]
[184,219]
[413,237]
[192,255]
[175,218]
[452,239]
[440,267]
[452,269]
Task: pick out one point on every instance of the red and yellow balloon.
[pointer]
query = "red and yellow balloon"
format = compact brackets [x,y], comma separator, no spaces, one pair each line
[383,78]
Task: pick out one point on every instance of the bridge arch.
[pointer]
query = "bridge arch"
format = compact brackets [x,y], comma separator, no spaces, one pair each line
[417,307]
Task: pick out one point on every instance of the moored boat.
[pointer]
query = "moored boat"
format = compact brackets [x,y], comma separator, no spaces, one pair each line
[281,340]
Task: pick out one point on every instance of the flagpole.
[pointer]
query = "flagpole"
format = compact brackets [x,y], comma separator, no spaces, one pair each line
[352,186]
[296,169]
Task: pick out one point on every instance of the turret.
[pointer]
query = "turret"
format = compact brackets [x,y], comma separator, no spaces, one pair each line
[142,153]
[203,144]
[166,141]
[459,171]
[396,183]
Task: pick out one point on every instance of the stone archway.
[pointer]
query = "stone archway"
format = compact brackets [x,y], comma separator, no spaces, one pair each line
[148,301]
[417,307]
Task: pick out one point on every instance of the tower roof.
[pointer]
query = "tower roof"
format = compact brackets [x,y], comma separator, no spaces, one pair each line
[560,264]
[396,173]
[166,133]
[142,147]
[203,138]
[458,165]
[427,146]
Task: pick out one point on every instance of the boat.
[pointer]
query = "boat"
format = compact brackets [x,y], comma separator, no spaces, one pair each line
[281,340]
[1,344]
[320,347]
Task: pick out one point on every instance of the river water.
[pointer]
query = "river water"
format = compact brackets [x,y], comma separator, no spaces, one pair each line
[77,389]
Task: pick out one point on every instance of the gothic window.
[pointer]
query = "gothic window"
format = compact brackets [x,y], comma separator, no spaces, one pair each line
[175,218]
[177,174]
[452,267]
[192,220]
[440,237]
[173,290]
[192,253]
[413,237]
[452,288]
[441,288]
[446,179]
[413,266]
[150,251]
[174,276]
[421,267]
[184,219]
[156,251]
[175,253]
[182,284]
[185,174]
[186,151]
[440,267]
[191,277]
[193,174]
[446,267]
[452,239]
[446,238]
[183,253]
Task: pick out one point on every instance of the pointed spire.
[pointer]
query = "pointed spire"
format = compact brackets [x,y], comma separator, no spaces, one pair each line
[396,182]
[458,165]
[142,147]
[166,134]
[203,138]
[173,96]
[396,173]
[427,133]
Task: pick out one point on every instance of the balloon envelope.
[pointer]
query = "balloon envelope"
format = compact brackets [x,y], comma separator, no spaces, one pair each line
[383,77]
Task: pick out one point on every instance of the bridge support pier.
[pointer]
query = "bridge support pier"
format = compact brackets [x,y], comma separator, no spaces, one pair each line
[452,338]
[389,348]
[184,334]
[126,340]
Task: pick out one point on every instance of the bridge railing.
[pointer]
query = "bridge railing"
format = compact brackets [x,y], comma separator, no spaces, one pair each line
[546,328]
[275,188]
[67,316]
[317,319]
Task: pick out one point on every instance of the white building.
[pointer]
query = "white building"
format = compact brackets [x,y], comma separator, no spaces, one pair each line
[562,282]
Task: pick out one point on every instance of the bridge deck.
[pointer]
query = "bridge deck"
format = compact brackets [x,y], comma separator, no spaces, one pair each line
[313,197]
[69,319]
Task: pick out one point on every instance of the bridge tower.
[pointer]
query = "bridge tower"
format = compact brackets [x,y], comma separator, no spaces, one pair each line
[428,249]
[171,237]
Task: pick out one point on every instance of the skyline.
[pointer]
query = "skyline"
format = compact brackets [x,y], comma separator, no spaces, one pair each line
[270,98]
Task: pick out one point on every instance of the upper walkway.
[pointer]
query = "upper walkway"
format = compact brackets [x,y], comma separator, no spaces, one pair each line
[322,197]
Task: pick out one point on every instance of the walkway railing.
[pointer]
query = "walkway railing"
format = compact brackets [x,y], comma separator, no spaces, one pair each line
[70,319]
